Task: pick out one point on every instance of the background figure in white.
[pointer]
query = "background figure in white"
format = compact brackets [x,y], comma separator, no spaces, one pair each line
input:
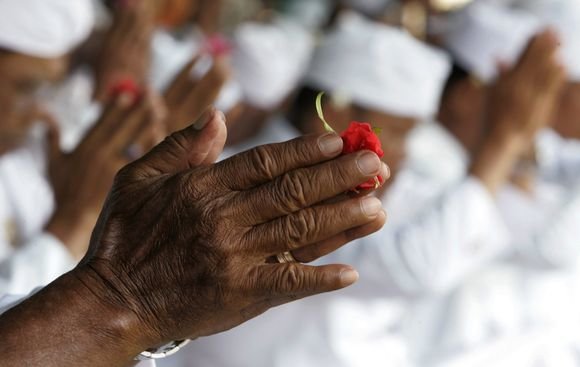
[519,311]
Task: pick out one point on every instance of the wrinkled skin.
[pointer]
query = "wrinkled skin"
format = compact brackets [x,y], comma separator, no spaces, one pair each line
[183,245]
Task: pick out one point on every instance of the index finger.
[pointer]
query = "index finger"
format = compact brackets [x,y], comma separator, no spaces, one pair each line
[264,163]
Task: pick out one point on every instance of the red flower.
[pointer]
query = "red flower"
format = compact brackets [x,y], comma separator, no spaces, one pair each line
[126,86]
[217,46]
[360,136]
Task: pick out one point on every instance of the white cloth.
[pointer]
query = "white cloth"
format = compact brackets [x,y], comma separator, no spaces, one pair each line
[71,103]
[483,34]
[519,310]
[558,158]
[379,67]
[29,258]
[270,59]
[44,28]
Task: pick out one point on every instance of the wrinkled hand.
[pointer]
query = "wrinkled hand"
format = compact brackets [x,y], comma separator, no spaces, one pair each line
[81,179]
[524,98]
[187,97]
[126,49]
[182,245]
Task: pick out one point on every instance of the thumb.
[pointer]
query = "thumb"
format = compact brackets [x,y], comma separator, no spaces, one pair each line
[197,145]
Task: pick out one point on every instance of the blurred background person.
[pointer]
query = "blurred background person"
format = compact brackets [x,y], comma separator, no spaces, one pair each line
[503,314]
[37,38]
[270,58]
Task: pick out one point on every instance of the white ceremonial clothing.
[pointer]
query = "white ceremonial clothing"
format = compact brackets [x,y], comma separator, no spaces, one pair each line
[29,257]
[519,310]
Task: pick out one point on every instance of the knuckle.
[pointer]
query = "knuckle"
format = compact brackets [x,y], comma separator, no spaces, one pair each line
[301,227]
[291,279]
[263,162]
[292,191]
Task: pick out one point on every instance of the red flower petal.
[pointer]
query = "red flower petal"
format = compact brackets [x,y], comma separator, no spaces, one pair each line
[360,136]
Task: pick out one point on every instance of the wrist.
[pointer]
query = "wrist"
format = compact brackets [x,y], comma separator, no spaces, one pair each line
[116,327]
[67,322]
[495,159]
[73,230]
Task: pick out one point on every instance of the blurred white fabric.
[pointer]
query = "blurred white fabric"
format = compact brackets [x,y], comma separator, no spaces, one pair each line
[379,67]
[521,308]
[270,59]
[44,28]
[29,258]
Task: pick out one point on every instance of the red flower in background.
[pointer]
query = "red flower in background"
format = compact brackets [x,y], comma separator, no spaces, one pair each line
[217,45]
[126,86]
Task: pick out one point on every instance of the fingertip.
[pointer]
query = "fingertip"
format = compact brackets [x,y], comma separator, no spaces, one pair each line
[348,276]
[371,206]
[369,164]
[385,172]
[206,117]
[330,144]
[381,220]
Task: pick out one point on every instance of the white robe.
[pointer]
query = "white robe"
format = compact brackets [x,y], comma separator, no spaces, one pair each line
[29,257]
[520,310]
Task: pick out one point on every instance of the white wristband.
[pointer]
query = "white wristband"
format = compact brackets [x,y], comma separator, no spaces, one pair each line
[165,351]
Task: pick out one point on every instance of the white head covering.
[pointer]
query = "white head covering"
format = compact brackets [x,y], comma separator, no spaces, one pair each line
[484,34]
[564,16]
[269,60]
[44,28]
[379,67]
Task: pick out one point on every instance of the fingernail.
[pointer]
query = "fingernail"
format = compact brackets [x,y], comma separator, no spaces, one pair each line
[222,116]
[330,144]
[348,277]
[204,119]
[371,206]
[369,164]
[386,172]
